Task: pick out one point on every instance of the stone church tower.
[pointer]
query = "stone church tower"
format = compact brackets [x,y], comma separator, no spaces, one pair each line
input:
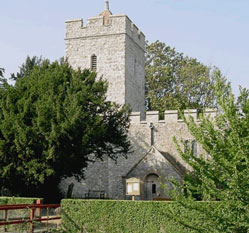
[114,47]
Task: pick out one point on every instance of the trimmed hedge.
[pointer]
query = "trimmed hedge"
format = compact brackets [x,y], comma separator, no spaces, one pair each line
[17,200]
[126,216]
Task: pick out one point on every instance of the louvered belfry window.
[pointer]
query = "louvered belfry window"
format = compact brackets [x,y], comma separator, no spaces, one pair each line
[94,62]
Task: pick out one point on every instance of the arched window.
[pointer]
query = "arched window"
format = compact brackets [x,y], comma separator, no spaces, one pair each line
[94,62]
[190,146]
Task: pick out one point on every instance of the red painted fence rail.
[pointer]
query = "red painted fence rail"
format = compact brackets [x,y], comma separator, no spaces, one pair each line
[31,219]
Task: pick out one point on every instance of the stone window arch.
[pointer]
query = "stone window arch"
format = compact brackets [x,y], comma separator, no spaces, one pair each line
[94,62]
[191,146]
[152,189]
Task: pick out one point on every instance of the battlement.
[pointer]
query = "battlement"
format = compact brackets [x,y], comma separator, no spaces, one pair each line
[95,26]
[134,32]
[170,116]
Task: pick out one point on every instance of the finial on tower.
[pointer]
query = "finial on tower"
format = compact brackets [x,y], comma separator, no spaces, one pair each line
[107,4]
[106,13]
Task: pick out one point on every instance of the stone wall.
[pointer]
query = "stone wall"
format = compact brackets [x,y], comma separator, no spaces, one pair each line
[119,47]
[135,73]
[96,178]
[82,43]
[162,158]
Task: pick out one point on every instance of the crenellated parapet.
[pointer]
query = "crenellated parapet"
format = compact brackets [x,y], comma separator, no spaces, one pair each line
[118,49]
[170,116]
[134,33]
[97,27]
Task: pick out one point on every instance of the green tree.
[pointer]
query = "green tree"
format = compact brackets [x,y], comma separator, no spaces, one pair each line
[2,79]
[27,67]
[174,81]
[1,72]
[51,120]
[222,174]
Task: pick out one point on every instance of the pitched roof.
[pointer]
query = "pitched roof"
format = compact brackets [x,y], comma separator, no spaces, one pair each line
[180,169]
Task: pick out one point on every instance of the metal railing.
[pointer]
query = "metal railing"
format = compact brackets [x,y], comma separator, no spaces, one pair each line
[31,219]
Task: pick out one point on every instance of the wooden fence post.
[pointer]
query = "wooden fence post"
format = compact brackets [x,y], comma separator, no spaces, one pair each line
[32,214]
[39,202]
[6,219]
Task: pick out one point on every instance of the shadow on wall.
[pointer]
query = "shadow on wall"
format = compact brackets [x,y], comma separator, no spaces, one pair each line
[146,163]
[154,168]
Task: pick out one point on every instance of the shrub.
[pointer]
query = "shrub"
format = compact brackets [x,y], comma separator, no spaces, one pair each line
[126,216]
[17,200]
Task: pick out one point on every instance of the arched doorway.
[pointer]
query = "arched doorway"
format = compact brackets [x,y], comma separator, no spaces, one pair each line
[152,188]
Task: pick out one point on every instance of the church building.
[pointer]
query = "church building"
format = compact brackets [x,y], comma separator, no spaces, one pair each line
[114,47]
